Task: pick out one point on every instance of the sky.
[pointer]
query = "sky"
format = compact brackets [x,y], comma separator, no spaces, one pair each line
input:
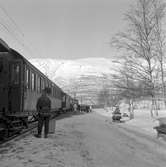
[62,29]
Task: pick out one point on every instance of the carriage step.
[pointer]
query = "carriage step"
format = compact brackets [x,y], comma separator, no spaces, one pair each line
[16,129]
[2,129]
[17,122]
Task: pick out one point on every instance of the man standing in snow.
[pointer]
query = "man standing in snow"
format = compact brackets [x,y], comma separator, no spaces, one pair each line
[43,107]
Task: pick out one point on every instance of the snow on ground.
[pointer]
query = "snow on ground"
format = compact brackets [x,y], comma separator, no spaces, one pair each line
[106,111]
[142,121]
[59,150]
[85,140]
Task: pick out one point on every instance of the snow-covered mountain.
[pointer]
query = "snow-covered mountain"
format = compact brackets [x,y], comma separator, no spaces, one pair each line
[82,78]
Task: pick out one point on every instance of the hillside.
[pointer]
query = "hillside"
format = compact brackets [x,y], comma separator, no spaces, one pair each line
[83,78]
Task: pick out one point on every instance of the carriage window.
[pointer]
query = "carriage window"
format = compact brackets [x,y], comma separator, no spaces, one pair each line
[49,84]
[51,90]
[64,98]
[1,66]
[15,75]
[38,84]
[33,81]
[41,84]
[27,78]
[57,93]
[54,91]
[46,83]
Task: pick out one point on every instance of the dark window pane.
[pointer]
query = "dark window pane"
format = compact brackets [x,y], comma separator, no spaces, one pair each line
[15,75]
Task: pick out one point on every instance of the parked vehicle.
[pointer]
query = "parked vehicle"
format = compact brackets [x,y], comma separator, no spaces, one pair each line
[85,108]
[116,115]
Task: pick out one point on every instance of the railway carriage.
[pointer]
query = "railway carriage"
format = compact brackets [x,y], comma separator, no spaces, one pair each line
[20,86]
[67,102]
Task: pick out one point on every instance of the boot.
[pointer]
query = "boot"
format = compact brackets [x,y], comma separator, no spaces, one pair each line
[37,135]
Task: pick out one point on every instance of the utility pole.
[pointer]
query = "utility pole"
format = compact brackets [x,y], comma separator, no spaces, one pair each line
[81,100]
[74,95]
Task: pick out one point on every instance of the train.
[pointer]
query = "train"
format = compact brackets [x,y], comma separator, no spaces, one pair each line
[21,84]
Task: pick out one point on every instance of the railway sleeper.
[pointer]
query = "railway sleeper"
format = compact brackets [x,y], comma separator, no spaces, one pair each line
[3,134]
[12,125]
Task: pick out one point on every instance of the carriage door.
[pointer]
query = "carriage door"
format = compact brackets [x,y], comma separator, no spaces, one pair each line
[4,78]
[63,101]
[15,92]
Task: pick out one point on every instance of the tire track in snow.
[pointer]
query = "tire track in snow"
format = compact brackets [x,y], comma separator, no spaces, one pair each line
[81,145]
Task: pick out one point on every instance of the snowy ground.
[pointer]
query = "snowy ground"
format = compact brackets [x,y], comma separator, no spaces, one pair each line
[87,140]
[142,121]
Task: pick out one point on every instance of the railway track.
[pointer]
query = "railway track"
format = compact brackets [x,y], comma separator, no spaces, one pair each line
[31,127]
[20,134]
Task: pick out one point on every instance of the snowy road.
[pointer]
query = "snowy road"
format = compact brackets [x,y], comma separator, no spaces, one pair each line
[88,140]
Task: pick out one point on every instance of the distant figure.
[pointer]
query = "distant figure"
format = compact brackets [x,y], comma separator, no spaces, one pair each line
[71,107]
[90,108]
[79,107]
[43,107]
[75,107]
[87,109]
[117,110]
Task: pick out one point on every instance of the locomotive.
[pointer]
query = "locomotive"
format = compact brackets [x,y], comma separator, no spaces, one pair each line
[21,84]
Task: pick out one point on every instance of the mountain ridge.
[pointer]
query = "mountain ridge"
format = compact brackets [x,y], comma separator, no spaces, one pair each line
[81,77]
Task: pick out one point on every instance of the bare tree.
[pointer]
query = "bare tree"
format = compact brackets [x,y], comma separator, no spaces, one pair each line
[139,42]
[114,99]
[103,96]
[128,88]
[160,7]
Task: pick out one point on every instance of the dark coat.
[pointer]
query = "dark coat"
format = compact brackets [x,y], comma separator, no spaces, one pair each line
[43,106]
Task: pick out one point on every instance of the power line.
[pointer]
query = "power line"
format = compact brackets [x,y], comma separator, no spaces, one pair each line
[8,23]
[8,30]
[12,20]
[7,27]
[14,30]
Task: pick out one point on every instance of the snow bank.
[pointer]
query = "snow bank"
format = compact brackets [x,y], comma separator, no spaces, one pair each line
[105,112]
[142,121]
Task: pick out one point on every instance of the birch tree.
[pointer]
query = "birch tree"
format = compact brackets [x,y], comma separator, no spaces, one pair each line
[138,42]
[160,7]
[128,87]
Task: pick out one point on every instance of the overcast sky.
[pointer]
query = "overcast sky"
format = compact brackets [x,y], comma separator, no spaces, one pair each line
[63,29]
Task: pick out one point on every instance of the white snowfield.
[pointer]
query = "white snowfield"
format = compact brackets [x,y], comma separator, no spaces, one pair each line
[55,68]
[86,140]
[142,121]
[85,77]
